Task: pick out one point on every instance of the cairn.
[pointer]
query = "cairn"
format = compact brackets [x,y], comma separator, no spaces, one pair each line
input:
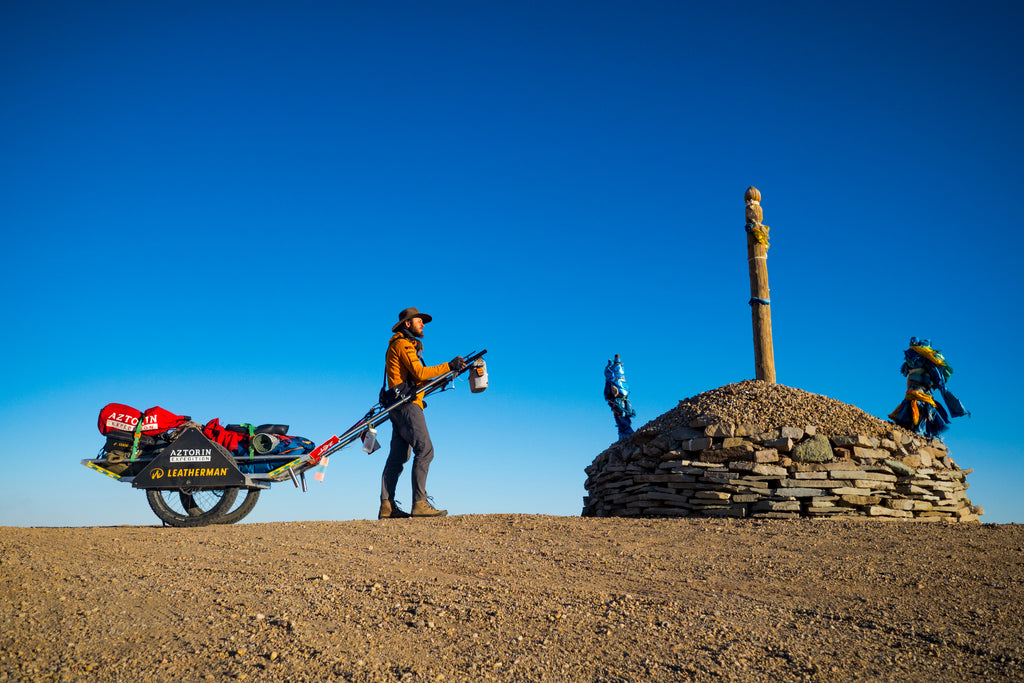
[756,449]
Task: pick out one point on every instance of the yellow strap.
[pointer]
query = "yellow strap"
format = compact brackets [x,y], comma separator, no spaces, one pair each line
[915,412]
[916,396]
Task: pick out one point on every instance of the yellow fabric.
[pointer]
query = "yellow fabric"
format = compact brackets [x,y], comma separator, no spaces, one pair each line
[914,397]
[402,364]
[760,233]
[933,356]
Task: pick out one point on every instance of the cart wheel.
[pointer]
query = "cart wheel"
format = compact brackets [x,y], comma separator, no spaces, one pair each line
[191,507]
[244,508]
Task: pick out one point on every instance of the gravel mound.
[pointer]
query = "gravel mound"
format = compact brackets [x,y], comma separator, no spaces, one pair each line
[771,406]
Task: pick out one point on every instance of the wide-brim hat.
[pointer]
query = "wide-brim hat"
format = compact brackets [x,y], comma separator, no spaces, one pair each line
[409,314]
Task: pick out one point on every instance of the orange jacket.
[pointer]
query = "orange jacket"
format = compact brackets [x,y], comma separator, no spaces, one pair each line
[403,363]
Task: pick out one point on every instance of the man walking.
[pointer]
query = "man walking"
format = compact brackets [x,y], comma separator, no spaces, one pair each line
[403,364]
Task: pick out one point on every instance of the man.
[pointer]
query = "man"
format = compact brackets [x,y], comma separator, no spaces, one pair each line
[403,363]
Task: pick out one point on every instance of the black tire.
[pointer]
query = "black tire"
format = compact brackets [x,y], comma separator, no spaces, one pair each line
[244,508]
[191,507]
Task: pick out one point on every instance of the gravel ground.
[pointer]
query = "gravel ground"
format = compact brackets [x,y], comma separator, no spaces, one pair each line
[771,406]
[515,598]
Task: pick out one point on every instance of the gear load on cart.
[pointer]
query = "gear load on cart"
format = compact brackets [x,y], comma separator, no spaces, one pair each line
[197,474]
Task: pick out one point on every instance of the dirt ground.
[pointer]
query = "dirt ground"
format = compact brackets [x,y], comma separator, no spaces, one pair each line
[515,598]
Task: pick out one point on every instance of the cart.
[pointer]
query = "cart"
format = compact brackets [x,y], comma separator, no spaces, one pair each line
[194,481]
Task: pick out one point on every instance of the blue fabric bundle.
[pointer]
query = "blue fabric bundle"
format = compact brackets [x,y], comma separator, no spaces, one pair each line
[616,393]
[926,371]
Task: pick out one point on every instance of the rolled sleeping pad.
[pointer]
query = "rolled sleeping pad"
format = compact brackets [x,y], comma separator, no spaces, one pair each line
[264,443]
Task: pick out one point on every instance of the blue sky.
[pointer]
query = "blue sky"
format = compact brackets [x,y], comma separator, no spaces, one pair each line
[220,208]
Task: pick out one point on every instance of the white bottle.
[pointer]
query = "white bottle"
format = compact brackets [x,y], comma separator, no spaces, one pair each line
[370,443]
[478,376]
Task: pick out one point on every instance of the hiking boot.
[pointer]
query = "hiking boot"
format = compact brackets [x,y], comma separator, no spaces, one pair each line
[389,511]
[423,508]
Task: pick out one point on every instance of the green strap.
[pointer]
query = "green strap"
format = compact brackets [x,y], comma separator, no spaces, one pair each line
[135,439]
[252,433]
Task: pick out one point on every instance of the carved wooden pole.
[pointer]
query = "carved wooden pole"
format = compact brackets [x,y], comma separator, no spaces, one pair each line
[760,310]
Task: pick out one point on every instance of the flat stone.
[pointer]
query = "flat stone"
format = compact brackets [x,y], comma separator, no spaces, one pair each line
[781,445]
[675,499]
[721,429]
[870,454]
[708,465]
[697,444]
[874,484]
[766,455]
[747,429]
[725,477]
[712,495]
[822,474]
[664,478]
[745,497]
[770,470]
[829,484]
[899,467]
[685,433]
[797,492]
[742,451]
[815,467]
[755,485]
[862,440]
[878,511]
[794,433]
[862,475]
[860,500]
[915,461]
[715,456]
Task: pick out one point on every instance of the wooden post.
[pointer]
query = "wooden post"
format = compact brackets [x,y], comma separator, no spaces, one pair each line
[760,309]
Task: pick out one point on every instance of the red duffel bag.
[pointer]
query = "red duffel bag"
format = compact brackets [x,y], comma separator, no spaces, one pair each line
[122,418]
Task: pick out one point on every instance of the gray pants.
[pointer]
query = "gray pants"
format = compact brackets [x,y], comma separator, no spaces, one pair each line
[408,435]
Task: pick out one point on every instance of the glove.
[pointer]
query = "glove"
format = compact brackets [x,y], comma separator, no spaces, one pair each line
[457,364]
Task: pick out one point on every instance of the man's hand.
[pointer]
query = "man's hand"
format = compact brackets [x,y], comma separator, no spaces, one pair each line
[458,364]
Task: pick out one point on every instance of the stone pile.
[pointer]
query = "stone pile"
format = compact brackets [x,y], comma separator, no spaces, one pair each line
[702,459]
